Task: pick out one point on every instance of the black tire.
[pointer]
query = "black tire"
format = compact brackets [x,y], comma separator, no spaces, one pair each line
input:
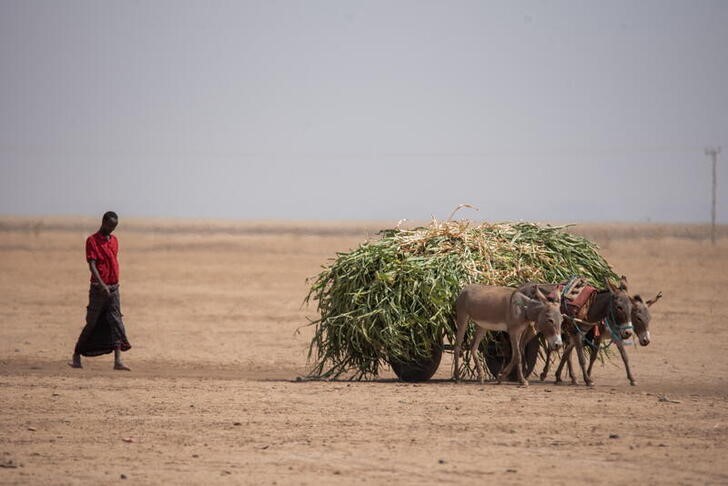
[498,353]
[420,370]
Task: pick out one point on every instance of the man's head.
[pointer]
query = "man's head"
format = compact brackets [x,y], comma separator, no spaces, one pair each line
[109,222]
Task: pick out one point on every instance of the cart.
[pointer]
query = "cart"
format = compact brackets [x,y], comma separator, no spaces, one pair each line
[497,353]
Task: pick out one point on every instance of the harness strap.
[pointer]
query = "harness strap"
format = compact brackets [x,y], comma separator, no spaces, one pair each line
[615,331]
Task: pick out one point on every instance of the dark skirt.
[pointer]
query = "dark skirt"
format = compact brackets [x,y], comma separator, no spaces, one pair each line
[104,331]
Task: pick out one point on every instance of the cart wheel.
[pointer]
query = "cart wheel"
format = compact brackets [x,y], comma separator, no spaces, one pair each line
[420,370]
[498,354]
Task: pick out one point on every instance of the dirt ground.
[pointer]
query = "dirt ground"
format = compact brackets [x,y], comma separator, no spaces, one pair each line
[214,316]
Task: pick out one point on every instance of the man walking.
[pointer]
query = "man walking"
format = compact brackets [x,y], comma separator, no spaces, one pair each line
[104,331]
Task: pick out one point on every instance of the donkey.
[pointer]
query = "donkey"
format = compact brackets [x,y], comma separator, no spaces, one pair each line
[612,303]
[641,318]
[505,309]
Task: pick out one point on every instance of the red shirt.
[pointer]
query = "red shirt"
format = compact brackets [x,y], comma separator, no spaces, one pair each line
[104,252]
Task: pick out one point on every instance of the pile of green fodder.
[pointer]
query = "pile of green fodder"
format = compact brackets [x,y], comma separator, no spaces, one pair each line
[393,298]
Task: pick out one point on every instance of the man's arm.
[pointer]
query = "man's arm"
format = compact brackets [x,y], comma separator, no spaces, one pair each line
[95,273]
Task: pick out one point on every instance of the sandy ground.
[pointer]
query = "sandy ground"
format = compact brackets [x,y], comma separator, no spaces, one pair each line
[214,318]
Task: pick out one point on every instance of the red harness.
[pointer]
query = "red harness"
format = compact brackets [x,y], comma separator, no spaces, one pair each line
[574,302]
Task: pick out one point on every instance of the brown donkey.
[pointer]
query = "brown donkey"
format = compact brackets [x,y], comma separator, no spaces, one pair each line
[612,304]
[504,309]
[641,318]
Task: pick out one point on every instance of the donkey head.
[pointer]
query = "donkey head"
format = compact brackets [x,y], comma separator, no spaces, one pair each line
[549,318]
[621,308]
[641,317]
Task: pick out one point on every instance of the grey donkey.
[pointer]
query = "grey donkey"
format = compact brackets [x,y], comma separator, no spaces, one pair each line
[505,309]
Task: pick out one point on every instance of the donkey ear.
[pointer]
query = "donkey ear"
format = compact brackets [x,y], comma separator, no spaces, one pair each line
[623,283]
[638,298]
[657,297]
[540,296]
[556,295]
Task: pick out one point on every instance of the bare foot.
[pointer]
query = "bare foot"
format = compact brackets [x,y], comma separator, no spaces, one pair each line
[121,367]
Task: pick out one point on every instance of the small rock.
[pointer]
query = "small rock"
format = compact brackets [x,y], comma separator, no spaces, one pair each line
[128,439]
[265,447]
[226,473]
[614,436]
[337,472]
[123,476]
[56,395]
[664,398]
[32,429]
[441,461]
[511,470]
[661,445]
[547,390]
[9,464]
[237,423]
[195,456]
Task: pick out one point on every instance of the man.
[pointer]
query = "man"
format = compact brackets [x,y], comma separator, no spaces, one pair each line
[104,331]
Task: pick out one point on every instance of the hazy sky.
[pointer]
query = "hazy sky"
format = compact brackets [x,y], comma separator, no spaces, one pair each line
[363,110]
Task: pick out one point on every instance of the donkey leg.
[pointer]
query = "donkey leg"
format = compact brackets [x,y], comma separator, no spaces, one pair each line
[461,325]
[546,366]
[506,370]
[515,339]
[594,352]
[518,356]
[475,355]
[623,352]
[572,375]
[582,362]
[563,361]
